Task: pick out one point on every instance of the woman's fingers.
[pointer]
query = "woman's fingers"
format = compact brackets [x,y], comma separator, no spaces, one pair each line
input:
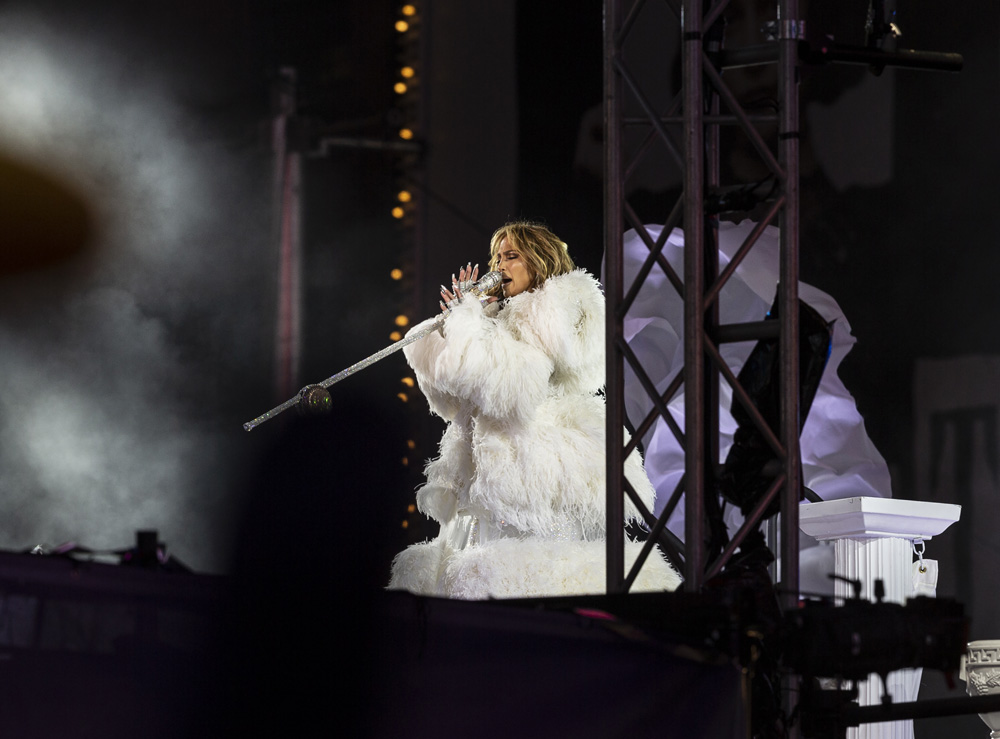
[467,276]
[464,281]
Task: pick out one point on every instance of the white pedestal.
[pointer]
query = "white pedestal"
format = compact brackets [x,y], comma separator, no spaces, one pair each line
[873,540]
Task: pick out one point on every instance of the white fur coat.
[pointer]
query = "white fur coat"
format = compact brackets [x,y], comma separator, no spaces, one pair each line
[523,455]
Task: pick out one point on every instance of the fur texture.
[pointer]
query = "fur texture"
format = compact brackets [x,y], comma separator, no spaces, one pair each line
[524,447]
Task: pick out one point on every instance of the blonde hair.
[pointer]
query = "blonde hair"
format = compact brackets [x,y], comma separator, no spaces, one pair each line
[542,251]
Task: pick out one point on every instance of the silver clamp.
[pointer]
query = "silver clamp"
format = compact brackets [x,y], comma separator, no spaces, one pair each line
[918,549]
[783,30]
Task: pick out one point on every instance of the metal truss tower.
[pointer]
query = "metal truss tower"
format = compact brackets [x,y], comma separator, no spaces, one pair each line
[690,130]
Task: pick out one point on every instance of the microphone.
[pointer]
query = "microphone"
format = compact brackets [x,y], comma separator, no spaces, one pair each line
[485,284]
[315,399]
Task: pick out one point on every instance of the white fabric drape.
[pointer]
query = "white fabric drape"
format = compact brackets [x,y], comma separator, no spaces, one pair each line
[839,460]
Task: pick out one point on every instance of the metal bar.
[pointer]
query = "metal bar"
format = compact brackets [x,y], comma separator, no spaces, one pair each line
[712,38]
[720,119]
[288,236]
[655,533]
[831,53]
[733,104]
[654,414]
[614,370]
[674,501]
[853,714]
[741,395]
[752,521]
[673,7]
[788,306]
[655,255]
[656,251]
[670,115]
[654,119]
[732,333]
[714,12]
[694,317]
[622,28]
[905,58]
[713,292]
[659,403]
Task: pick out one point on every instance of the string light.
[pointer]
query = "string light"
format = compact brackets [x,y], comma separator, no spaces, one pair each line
[407,90]
[411,508]
[406,524]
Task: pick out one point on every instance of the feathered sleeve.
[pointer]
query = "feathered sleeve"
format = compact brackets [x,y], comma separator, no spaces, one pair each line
[422,357]
[483,361]
[565,321]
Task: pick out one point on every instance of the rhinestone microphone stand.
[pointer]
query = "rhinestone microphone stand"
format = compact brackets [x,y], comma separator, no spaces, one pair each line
[316,398]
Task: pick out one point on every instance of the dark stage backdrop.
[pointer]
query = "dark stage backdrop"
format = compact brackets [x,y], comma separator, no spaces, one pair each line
[126,371]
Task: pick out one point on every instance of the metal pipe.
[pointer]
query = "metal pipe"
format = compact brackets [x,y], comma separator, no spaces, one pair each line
[788,301]
[694,283]
[832,53]
[789,26]
[613,271]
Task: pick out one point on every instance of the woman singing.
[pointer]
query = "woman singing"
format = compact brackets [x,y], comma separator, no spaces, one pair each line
[519,486]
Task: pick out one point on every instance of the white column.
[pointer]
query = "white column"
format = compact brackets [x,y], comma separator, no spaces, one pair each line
[873,540]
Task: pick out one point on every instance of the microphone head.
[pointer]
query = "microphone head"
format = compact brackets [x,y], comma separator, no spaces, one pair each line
[488,282]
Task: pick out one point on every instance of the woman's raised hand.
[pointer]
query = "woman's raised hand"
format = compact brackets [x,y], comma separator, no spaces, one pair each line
[467,277]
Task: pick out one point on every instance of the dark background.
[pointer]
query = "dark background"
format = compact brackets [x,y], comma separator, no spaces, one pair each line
[128,368]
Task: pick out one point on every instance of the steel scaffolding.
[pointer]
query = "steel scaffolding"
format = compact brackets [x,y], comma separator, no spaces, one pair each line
[688,129]
[696,110]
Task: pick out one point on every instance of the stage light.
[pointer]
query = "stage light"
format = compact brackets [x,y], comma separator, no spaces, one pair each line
[396,274]
[405,133]
[397,212]
[409,10]
[407,72]
[408,381]
[402,320]
[395,336]
[404,196]
[399,87]
[402,26]
[405,398]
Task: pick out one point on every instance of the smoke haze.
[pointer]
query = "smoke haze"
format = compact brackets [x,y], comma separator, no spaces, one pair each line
[121,371]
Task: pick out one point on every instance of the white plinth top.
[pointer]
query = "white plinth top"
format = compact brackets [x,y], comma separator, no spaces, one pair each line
[876,517]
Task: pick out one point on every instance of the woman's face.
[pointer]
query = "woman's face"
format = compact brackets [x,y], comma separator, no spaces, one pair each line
[517,276]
